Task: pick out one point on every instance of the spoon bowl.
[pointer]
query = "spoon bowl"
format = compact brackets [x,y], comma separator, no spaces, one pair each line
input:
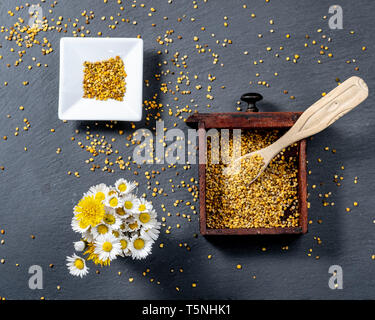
[316,118]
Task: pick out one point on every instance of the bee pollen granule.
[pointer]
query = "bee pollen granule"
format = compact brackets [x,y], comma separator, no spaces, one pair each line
[105,79]
[271,201]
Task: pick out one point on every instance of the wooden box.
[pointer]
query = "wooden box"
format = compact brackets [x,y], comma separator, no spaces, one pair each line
[250,120]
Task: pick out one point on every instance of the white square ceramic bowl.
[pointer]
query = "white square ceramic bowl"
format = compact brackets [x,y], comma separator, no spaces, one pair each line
[74,52]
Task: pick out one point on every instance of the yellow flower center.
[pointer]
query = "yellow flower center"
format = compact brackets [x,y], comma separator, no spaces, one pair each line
[113,202]
[112,192]
[109,219]
[120,211]
[124,244]
[128,205]
[107,246]
[144,217]
[122,187]
[102,229]
[100,196]
[79,264]
[116,233]
[139,244]
[142,207]
[133,225]
[90,211]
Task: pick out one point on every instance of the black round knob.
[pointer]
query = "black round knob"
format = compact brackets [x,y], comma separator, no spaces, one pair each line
[251,99]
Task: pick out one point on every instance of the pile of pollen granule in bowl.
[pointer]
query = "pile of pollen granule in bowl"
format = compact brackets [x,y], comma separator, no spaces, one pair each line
[104,80]
[271,201]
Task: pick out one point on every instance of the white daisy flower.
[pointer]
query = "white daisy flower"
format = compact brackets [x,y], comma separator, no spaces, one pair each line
[152,233]
[131,225]
[112,191]
[122,213]
[131,203]
[107,247]
[114,201]
[125,241]
[88,236]
[112,220]
[143,205]
[124,187]
[99,191]
[123,227]
[117,233]
[79,226]
[77,266]
[147,219]
[140,247]
[79,246]
[100,230]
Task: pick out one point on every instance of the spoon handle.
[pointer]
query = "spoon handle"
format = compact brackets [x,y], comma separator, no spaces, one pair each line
[324,112]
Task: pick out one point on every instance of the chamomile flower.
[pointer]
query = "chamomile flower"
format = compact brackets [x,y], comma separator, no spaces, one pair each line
[100,229]
[124,187]
[93,256]
[140,247]
[131,225]
[79,246]
[117,233]
[77,266]
[146,219]
[112,220]
[89,210]
[100,191]
[122,213]
[87,235]
[107,247]
[114,201]
[125,241]
[130,203]
[79,225]
[143,205]
[112,191]
[152,233]
[123,227]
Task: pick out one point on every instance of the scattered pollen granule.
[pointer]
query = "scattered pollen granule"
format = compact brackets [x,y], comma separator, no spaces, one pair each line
[270,201]
[105,79]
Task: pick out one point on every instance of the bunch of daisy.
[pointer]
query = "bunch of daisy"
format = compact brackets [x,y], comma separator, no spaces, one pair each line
[112,222]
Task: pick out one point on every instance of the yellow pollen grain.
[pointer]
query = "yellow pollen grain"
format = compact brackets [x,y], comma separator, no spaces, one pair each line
[268,202]
[104,80]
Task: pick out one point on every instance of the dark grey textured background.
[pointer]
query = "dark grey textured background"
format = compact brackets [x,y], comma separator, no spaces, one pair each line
[37,195]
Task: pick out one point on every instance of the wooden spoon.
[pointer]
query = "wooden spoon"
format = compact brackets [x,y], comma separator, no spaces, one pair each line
[319,116]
